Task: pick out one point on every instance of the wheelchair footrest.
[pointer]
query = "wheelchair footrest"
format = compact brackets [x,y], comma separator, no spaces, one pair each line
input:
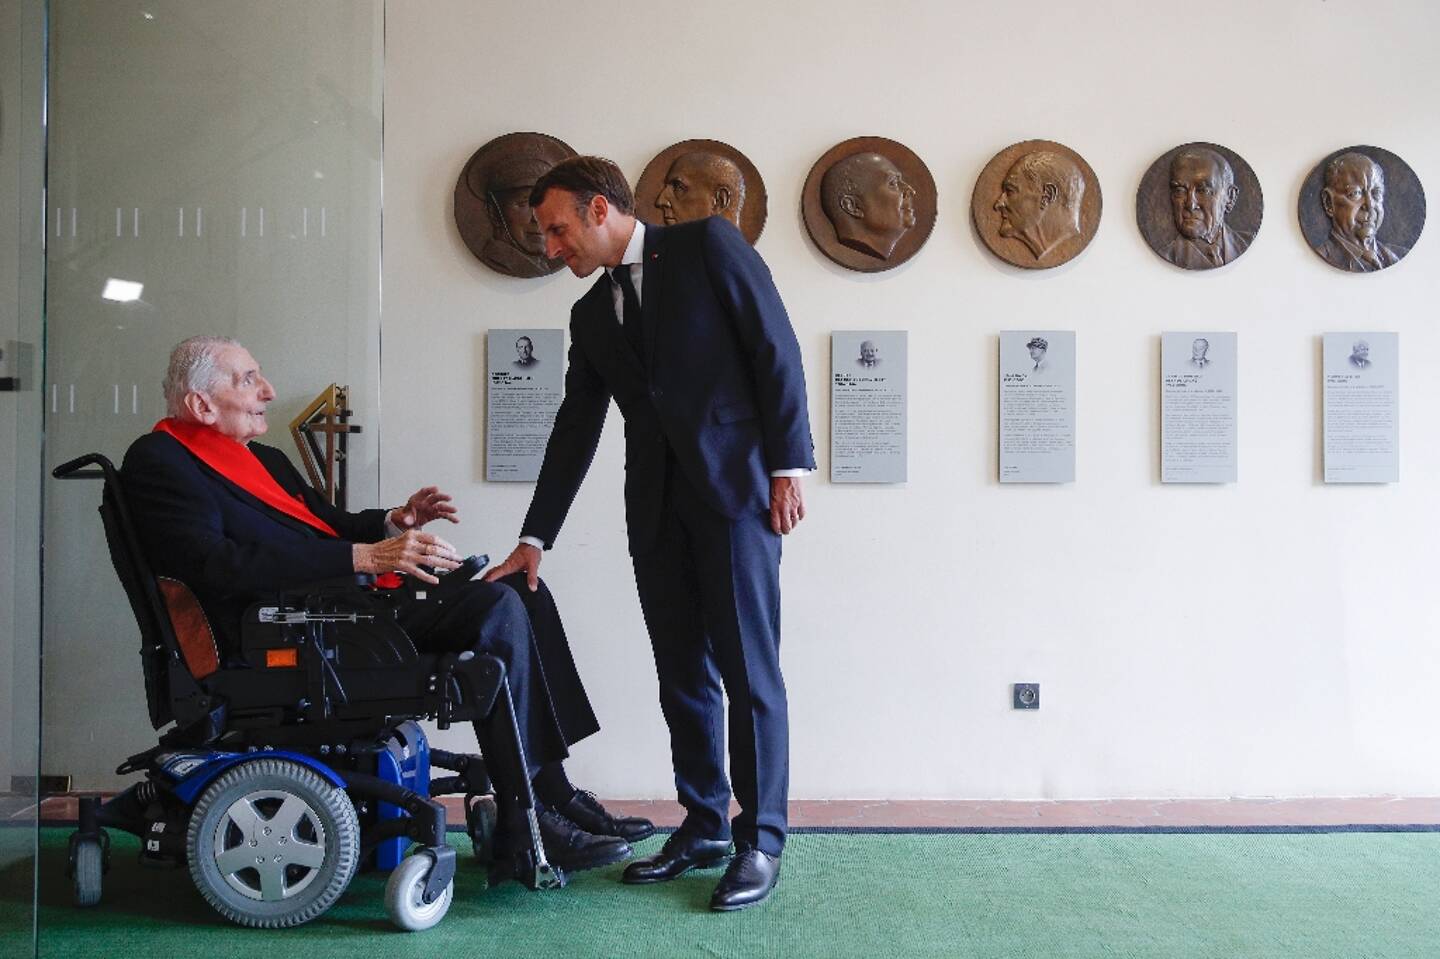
[523,869]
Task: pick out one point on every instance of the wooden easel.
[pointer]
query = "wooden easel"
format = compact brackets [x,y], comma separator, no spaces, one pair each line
[328,415]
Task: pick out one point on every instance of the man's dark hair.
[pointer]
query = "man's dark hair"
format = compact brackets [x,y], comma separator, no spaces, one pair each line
[586,177]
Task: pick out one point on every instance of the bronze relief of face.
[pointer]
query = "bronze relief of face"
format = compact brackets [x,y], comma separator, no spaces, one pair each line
[869,204]
[698,185]
[695,179]
[1036,204]
[492,203]
[1199,206]
[1362,209]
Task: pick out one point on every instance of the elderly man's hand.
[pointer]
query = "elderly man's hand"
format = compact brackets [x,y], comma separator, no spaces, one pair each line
[424,505]
[406,553]
[524,556]
[787,503]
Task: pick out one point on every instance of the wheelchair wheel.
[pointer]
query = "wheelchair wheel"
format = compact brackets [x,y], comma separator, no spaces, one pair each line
[404,895]
[89,864]
[272,844]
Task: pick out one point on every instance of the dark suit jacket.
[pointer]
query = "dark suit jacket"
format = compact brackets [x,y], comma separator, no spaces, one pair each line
[227,546]
[721,383]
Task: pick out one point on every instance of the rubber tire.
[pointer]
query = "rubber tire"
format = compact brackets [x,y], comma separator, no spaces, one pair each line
[403,891]
[480,821]
[331,806]
[89,865]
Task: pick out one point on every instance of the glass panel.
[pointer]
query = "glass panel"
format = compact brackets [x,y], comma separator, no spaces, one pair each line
[214,167]
[22,284]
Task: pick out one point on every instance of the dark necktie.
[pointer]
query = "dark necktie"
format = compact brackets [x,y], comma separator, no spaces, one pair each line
[630,320]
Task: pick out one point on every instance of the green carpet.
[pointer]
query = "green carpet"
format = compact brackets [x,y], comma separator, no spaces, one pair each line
[1236,896]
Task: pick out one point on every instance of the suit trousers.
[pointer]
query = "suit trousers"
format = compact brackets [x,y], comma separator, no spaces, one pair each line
[710,591]
[524,630]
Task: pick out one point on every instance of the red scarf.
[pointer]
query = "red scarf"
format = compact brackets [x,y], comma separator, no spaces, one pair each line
[239,465]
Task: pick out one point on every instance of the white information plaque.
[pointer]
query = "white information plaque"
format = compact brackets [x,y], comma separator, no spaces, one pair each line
[868,393]
[1197,408]
[1037,406]
[1362,407]
[525,376]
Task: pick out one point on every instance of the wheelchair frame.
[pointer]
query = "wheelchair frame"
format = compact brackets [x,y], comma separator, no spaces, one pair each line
[319,768]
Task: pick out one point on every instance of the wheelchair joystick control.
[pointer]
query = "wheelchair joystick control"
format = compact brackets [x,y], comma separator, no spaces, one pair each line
[468,569]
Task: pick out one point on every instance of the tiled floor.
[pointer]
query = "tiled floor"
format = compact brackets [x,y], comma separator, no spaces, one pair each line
[1019,814]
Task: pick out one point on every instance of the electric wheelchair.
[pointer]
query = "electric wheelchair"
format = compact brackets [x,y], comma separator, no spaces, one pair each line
[279,780]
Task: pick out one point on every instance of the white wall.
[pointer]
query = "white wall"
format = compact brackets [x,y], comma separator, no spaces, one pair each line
[1272,637]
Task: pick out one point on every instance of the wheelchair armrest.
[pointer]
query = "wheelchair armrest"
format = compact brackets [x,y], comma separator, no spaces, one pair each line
[325,592]
[350,581]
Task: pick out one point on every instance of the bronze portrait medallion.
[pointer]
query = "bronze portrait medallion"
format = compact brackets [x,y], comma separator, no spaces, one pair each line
[1362,209]
[492,202]
[869,204]
[1036,204]
[1199,206]
[694,179]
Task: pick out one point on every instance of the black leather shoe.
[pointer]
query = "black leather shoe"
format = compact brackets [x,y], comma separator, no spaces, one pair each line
[572,849]
[749,881]
[585,811]
[681,853]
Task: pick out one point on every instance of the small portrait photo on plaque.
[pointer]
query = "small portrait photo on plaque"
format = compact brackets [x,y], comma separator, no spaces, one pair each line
[1036,204]
[1199,206]
[525,357]
[492,203]
[1362,209]
[694,179]
[869,204]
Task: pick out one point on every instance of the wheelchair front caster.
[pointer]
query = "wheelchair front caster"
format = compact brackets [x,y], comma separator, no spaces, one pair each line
[405,894]
[87,864]
[89,855]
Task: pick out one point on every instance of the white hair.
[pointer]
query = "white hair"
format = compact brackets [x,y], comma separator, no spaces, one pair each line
[194,367]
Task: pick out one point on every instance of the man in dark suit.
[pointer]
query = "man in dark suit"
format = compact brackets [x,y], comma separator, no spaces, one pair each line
[232,519]
[686,332]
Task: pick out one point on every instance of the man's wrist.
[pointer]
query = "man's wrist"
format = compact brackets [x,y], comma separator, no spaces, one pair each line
[534,541]
[360,559]
[790,473]
[392,522]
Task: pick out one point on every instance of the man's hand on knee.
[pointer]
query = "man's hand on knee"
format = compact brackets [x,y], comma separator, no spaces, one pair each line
[406,553]
[524,556]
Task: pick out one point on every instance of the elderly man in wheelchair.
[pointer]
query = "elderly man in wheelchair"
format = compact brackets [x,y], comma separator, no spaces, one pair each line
[294,661]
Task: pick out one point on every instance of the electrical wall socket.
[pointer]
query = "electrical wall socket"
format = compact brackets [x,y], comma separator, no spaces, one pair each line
[1026,695]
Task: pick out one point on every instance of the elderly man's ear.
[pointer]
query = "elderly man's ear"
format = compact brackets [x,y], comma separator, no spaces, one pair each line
[200,407]
[1048,193]
[1327,202]
[1231,195]
[850,203]
[721,199]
